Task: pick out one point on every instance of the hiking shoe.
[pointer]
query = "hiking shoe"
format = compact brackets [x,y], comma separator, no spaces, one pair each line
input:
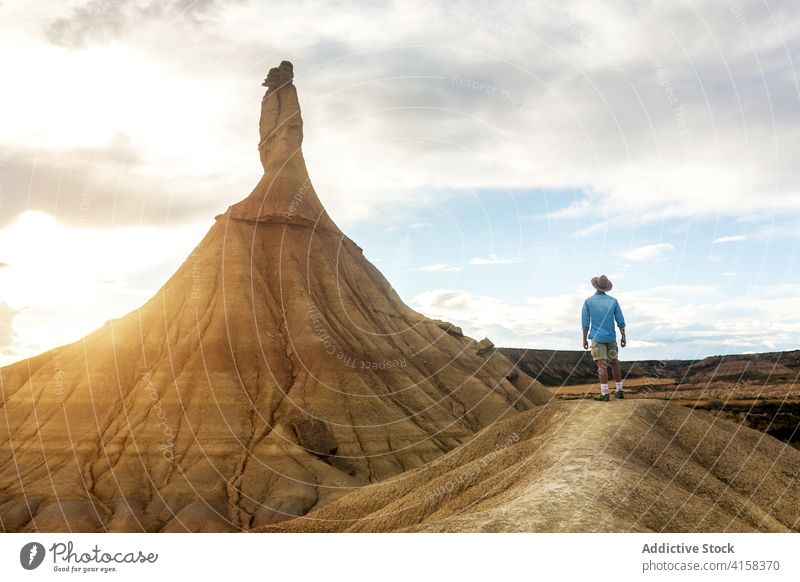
[620,395]
[602,397]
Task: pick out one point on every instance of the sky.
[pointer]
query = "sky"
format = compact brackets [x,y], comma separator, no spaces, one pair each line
[489,157]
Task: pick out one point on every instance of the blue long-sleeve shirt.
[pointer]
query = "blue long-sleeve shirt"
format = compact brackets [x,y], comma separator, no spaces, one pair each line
[600,311]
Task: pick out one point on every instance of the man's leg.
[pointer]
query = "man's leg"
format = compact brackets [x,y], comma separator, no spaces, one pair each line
[617,377]
[602,372]
[599,356]
[616,371]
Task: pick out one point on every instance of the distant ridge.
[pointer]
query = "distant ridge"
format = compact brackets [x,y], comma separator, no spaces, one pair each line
[567,367]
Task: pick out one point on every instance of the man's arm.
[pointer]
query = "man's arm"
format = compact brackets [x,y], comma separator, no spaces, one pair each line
[585,325]
[621,323]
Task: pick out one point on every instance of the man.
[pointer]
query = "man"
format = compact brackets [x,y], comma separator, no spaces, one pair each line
[597,319]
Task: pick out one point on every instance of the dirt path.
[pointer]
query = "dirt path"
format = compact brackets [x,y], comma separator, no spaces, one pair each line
[633,465]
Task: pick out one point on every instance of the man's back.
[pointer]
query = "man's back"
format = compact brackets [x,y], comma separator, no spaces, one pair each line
[600,311]
[598,316]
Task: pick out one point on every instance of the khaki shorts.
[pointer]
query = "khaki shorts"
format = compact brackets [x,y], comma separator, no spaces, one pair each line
[608,351]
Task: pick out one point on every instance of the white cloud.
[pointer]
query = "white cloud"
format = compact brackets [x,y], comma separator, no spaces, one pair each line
[640,130]
[440,267]
[541,322]
[493,260]
[7,332]
[644,344]
[646,252]
[63,282]
[420,226]
[727,239]
[490,260]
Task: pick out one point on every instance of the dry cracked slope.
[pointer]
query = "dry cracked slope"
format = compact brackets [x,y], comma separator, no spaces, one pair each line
[274,372]
[634,465]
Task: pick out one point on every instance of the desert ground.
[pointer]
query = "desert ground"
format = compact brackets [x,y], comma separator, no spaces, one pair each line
[757,390]
[631,465]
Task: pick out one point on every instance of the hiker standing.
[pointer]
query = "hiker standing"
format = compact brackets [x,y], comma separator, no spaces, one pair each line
[597,319]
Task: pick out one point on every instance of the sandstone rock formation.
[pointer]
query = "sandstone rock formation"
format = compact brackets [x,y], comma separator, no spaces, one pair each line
[274,372]
[583,466]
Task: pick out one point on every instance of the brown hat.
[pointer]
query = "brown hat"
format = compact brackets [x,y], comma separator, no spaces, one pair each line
[602,283]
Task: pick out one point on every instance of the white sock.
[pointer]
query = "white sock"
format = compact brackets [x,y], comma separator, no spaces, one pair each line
[604,389]
[619,386]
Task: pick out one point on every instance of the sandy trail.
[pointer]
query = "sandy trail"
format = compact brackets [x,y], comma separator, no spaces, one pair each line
[633,465]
